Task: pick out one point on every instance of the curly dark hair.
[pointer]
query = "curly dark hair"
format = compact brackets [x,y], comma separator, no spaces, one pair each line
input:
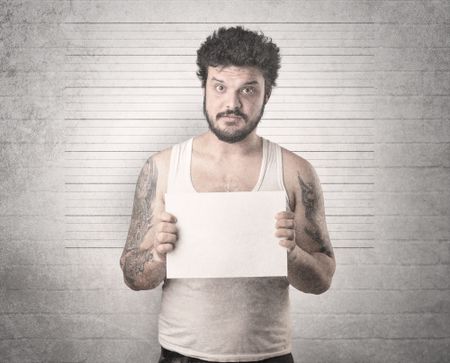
[237,46]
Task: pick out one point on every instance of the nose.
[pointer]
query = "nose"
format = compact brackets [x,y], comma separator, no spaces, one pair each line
[233,101]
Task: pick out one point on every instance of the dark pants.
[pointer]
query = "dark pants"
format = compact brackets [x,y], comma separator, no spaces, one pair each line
[168,356]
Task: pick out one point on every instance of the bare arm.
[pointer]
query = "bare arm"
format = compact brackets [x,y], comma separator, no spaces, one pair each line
[311,262]
[141,270]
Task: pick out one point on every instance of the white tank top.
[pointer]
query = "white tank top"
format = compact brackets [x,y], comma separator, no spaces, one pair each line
[230,319]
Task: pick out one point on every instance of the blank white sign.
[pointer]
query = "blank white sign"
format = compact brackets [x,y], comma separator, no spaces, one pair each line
[226,235]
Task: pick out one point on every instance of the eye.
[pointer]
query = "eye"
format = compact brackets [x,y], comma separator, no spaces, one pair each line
[248,91]
[220,87]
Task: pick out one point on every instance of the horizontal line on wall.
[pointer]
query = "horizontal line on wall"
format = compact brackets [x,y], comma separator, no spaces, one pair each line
[154,151]
[109,239]
[131,192]
[387,340]
[194,48]
[24,215]
[144,158]
[204,128]
[340,224]
[168,135]
[322,95]
[81,224]
[220,22]
[87,62]
[367,32]
[128,215]
[118,247]
[193,71]
[68,176]
[196,102]
[189,55]
[353,247]
[202,119]
[93,247]
[164,143]
[118,223]
[367,38]
[138,167]
[97,215]
[123,183]
[284,63]
[329,196]
[91,208]
[197,87]
[126,229]
[308,313]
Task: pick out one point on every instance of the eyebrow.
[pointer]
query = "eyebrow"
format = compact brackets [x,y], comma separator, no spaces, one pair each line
[245,84]
[218,80]
[250,83]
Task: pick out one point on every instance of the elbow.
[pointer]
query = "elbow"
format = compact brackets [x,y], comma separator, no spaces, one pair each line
[131,283]
[322,286]
[323,281]
[139,284]
[128,281]
[315,286]
[138,280]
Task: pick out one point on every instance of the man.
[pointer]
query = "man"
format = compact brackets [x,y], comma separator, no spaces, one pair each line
[229,320]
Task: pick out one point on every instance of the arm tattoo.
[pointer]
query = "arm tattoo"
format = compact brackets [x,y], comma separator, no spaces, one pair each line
[310,200]
[133,259]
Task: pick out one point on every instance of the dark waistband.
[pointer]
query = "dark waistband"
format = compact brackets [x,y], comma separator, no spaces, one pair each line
[168,356]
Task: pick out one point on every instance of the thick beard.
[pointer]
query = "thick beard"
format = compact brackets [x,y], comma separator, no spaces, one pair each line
[234,137]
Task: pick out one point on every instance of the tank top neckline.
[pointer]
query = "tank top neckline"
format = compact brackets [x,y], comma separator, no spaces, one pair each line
[261,170]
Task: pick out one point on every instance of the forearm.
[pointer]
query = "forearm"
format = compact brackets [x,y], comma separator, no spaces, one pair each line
[141,271]
[310,272]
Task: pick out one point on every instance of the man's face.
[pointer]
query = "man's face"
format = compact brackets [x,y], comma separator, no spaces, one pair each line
[234,101]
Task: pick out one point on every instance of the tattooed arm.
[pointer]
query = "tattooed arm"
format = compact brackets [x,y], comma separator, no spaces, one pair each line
[311,262]
[143,267]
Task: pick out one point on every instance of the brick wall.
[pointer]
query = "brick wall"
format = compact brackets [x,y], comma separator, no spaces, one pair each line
[89,89]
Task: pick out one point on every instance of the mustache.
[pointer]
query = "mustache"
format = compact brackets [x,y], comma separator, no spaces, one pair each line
[235,112]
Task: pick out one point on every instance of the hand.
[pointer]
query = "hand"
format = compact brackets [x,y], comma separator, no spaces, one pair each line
[285,226]
[166,235]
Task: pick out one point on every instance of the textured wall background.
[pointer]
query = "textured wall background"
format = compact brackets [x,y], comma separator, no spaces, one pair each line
[90,88]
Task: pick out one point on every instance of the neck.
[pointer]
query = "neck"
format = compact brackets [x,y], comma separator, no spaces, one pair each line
[212,145]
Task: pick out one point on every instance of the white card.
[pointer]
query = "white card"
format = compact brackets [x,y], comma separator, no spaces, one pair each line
[226,235]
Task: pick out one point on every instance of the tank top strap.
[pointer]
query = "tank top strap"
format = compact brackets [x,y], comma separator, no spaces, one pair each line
[274,174]
[179,178]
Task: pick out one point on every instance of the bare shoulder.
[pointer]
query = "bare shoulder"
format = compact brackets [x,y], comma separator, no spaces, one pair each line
[295,171]
[162,160]
[155,171]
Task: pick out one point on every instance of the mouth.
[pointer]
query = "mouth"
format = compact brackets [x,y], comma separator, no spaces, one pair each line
[231,118]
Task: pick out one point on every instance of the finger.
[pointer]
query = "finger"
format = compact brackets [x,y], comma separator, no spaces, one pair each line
[167,227]
[285,215]
[167,217]
[165,248]
[285,223]
[285,233]
[164,237]
[288,244]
